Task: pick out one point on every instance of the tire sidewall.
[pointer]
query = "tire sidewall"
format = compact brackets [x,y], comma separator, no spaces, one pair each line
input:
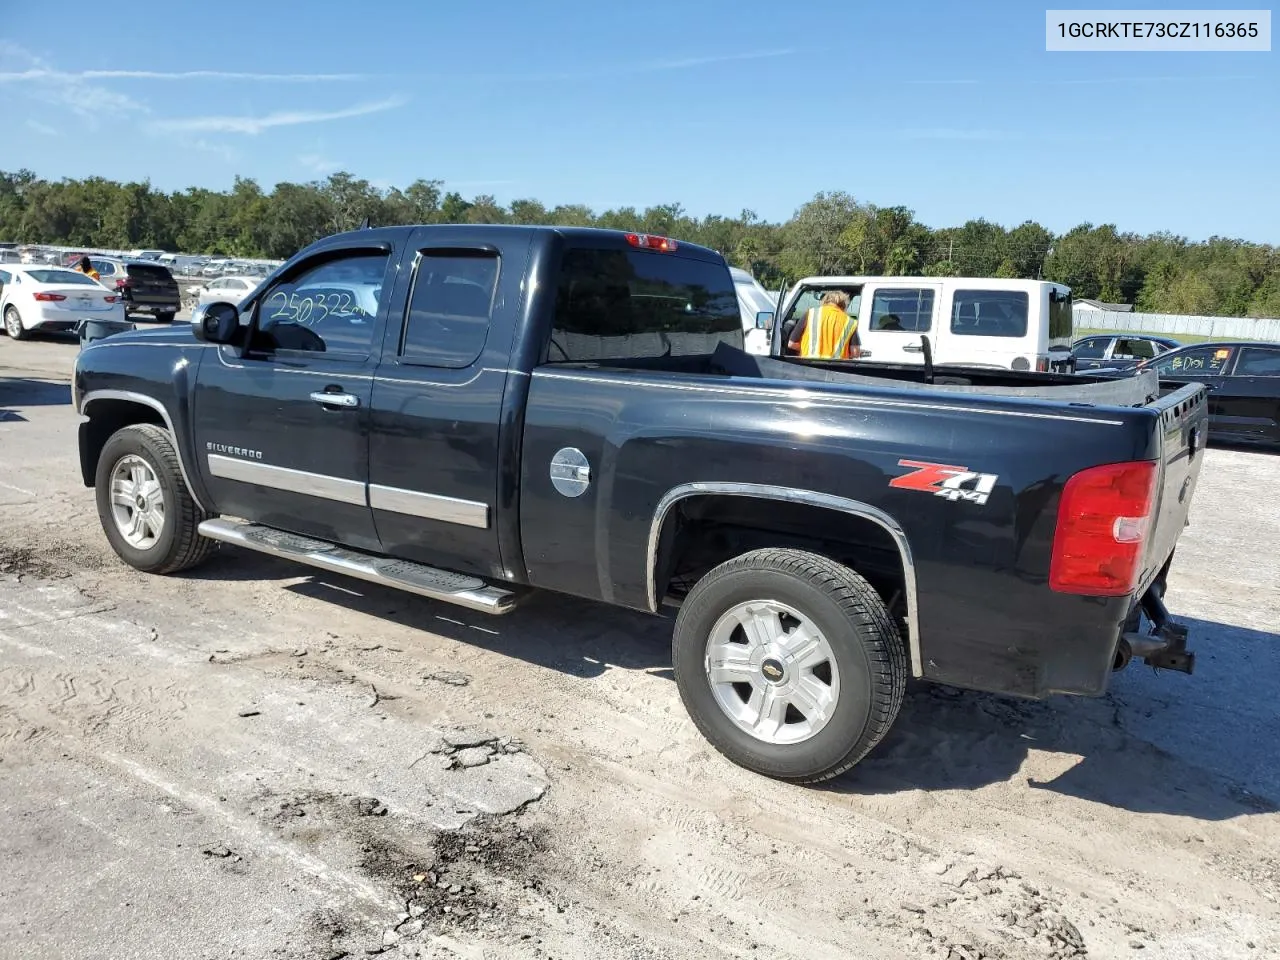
[853,709]
[12,311]
[126,442]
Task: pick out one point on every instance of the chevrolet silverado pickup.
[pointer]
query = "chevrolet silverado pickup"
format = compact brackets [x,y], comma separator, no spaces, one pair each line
[470,413]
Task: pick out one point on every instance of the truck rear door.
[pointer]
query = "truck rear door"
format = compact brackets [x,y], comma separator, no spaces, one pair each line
[434,443]
[893,317]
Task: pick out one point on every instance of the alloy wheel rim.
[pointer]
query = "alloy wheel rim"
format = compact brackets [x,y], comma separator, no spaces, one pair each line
[137,502]
[772,671]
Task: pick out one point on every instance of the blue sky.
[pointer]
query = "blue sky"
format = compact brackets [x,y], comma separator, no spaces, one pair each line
[952,109]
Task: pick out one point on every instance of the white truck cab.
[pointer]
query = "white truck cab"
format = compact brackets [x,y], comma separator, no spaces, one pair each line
[753,300]
[969,321]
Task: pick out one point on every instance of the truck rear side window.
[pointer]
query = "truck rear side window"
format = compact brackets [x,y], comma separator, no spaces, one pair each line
[447,320]
[618,305]
[989,313]
[905,309]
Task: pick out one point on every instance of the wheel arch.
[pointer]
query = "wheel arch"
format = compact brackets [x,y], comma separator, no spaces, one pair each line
[111,410]
[661,545]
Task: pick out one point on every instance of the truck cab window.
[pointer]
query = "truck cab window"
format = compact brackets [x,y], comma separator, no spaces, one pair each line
[616,305]
[907,309]
[330,308]
[989,313]
[447,319]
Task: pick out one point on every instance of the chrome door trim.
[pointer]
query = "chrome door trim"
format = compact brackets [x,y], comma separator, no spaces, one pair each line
[286,478]
[429,506]
[792,495]
[83,403]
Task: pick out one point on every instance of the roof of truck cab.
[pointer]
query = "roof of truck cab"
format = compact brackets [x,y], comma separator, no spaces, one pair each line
[991,283]
[579,234]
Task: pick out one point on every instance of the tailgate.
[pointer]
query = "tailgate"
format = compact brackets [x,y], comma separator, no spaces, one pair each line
[152,283]
[1184,427]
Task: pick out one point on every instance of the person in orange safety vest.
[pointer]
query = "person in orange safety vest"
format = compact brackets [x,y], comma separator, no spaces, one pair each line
[827,331]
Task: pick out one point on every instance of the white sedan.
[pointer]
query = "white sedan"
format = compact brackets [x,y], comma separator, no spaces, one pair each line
[38,298]
[226,289]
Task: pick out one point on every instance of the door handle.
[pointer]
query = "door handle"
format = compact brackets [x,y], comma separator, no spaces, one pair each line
[912,348]
[335,399]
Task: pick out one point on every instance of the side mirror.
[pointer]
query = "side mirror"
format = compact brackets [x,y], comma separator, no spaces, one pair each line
[764,320]
[217,322]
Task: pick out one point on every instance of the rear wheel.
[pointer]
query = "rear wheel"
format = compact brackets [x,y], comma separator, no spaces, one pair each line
[13,323]
[144,505]
[789,664]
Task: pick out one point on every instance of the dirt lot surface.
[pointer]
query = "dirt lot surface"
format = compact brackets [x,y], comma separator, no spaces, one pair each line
[253,760]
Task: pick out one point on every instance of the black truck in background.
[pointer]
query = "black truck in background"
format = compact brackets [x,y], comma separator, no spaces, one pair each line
[471,412]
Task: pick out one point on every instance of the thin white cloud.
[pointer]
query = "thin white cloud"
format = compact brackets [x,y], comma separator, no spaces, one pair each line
[46,74]
[288,118]
[472,184]
[652,66]
[91,102]
[43,128]
[1086,81]
[953,133]
[319,164]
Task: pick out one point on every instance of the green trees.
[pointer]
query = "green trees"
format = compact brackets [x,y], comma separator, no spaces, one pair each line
[832,233]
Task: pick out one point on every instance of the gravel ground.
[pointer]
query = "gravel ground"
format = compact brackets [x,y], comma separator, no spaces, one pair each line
[254,760]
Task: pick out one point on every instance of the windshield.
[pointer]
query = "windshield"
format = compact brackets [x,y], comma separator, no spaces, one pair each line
[61,276]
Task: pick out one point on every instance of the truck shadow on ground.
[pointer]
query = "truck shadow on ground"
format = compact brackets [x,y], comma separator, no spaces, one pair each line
[29,392]
[1199,746]
[574,636]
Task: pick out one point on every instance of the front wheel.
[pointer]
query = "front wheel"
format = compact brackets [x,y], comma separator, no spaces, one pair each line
[13,324]
[144,505]
[789,663]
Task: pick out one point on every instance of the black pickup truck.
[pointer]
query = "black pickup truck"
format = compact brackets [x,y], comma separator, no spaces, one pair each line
[472,412]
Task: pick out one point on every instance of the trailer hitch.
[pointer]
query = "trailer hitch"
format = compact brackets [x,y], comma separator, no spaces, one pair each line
[1166,645]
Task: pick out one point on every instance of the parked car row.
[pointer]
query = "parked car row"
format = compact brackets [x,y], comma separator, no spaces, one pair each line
[1242,377]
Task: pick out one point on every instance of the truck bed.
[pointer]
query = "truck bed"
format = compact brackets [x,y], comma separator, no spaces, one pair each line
[1134,391]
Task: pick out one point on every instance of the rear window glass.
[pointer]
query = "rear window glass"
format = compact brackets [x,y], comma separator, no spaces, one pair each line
[448,313]
[907,309]
[989,313]
[1092,349]
[1258,362]
[628,304]
[61,276]
[1061,320]
[148,271]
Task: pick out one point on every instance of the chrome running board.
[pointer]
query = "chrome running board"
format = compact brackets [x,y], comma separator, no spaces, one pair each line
[456,588]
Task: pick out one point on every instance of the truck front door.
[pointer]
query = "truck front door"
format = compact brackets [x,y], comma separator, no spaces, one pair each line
[282,430]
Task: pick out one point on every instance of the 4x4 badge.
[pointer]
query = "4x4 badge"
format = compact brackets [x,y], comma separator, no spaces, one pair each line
[946,480]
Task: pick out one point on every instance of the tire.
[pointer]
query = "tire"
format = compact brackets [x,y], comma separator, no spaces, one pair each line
[13,324]
[165,316]
[176,545]
[865,666]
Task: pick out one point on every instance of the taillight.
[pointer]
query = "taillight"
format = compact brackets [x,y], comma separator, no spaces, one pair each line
[122,282]
[110,299]
[1042,364]
[1103,520]
[648,241]
[48,297]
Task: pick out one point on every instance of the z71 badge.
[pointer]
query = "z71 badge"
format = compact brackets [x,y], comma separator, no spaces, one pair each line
[946,480]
